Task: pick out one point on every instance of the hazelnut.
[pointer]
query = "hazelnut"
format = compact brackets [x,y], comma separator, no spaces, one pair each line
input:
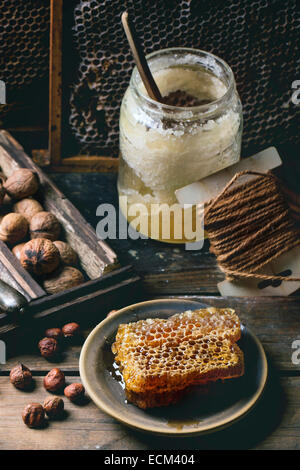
[28,208]
[67,254]
[55,333]
[17,250]
[111,313]
[54,380]
[74,392]
[63,279]
[71,330]
[48,347]
[34,415]
[40,256]
[13,228]
[44,225]
[22,183]
[21,377]
[54,407]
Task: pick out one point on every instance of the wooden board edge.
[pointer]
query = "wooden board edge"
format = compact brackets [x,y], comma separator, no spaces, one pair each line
[86,164]
[55,80]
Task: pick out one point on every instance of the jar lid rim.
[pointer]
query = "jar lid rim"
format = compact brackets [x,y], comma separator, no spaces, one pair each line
[167,107]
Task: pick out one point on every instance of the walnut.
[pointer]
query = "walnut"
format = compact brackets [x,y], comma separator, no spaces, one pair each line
[44,225]
[63,279]
[17,250]
[54,407]
[22,183]
[74,392]
[13,228]
[54,380]
[28,208]
[48,347]
[21,377]
[40,256]
[34,415]
[67,254]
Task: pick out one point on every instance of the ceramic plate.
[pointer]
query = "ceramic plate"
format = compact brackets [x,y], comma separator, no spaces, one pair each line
[196,413]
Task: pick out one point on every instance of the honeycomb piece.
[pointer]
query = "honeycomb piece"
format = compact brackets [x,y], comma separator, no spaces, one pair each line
[153,399]
[168,355]
[223,322]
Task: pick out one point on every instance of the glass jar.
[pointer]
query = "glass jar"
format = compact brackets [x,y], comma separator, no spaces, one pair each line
[163,147]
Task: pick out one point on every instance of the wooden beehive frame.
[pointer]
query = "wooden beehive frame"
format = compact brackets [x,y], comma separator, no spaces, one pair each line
[77,163]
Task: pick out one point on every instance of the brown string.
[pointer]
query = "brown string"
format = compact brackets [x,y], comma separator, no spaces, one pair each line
[249,225]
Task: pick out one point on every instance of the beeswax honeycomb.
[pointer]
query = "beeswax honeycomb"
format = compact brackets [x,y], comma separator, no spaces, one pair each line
[165,356]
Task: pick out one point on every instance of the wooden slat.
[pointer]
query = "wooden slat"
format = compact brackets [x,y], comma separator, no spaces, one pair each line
[86,163]
[86,427]
[87,308]
[55,80]
[15,275]
[202,280]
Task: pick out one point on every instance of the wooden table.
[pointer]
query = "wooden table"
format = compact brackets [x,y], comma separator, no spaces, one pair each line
[168,271]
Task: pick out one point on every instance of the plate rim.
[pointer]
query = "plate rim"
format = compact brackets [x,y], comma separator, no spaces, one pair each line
[171,433]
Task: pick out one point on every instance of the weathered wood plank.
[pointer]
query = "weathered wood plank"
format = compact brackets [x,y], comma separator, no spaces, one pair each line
[277,325]
[55,80]
[86,427]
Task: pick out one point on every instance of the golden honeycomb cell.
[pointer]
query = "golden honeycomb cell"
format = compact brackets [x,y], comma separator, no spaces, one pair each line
[195,347]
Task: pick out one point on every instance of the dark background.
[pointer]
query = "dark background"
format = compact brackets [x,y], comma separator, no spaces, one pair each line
[259,39]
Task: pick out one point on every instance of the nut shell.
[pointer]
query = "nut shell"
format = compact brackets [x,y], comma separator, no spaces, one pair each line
[21,377]
[54,407]
[40,256]
[13,228]
[63,279]
[28,208]
[74,392]
[22,183]
[54,380]
[67,254]
[17,250]
[55,333]
[44,225]
[49,347]
[71,330]
[34,415]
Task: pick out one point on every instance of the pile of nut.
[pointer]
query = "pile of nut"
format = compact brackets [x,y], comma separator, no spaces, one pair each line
[50,345]
[47,258]
[34,414]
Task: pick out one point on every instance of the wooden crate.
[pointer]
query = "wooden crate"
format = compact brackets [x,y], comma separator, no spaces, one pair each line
[107,280]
